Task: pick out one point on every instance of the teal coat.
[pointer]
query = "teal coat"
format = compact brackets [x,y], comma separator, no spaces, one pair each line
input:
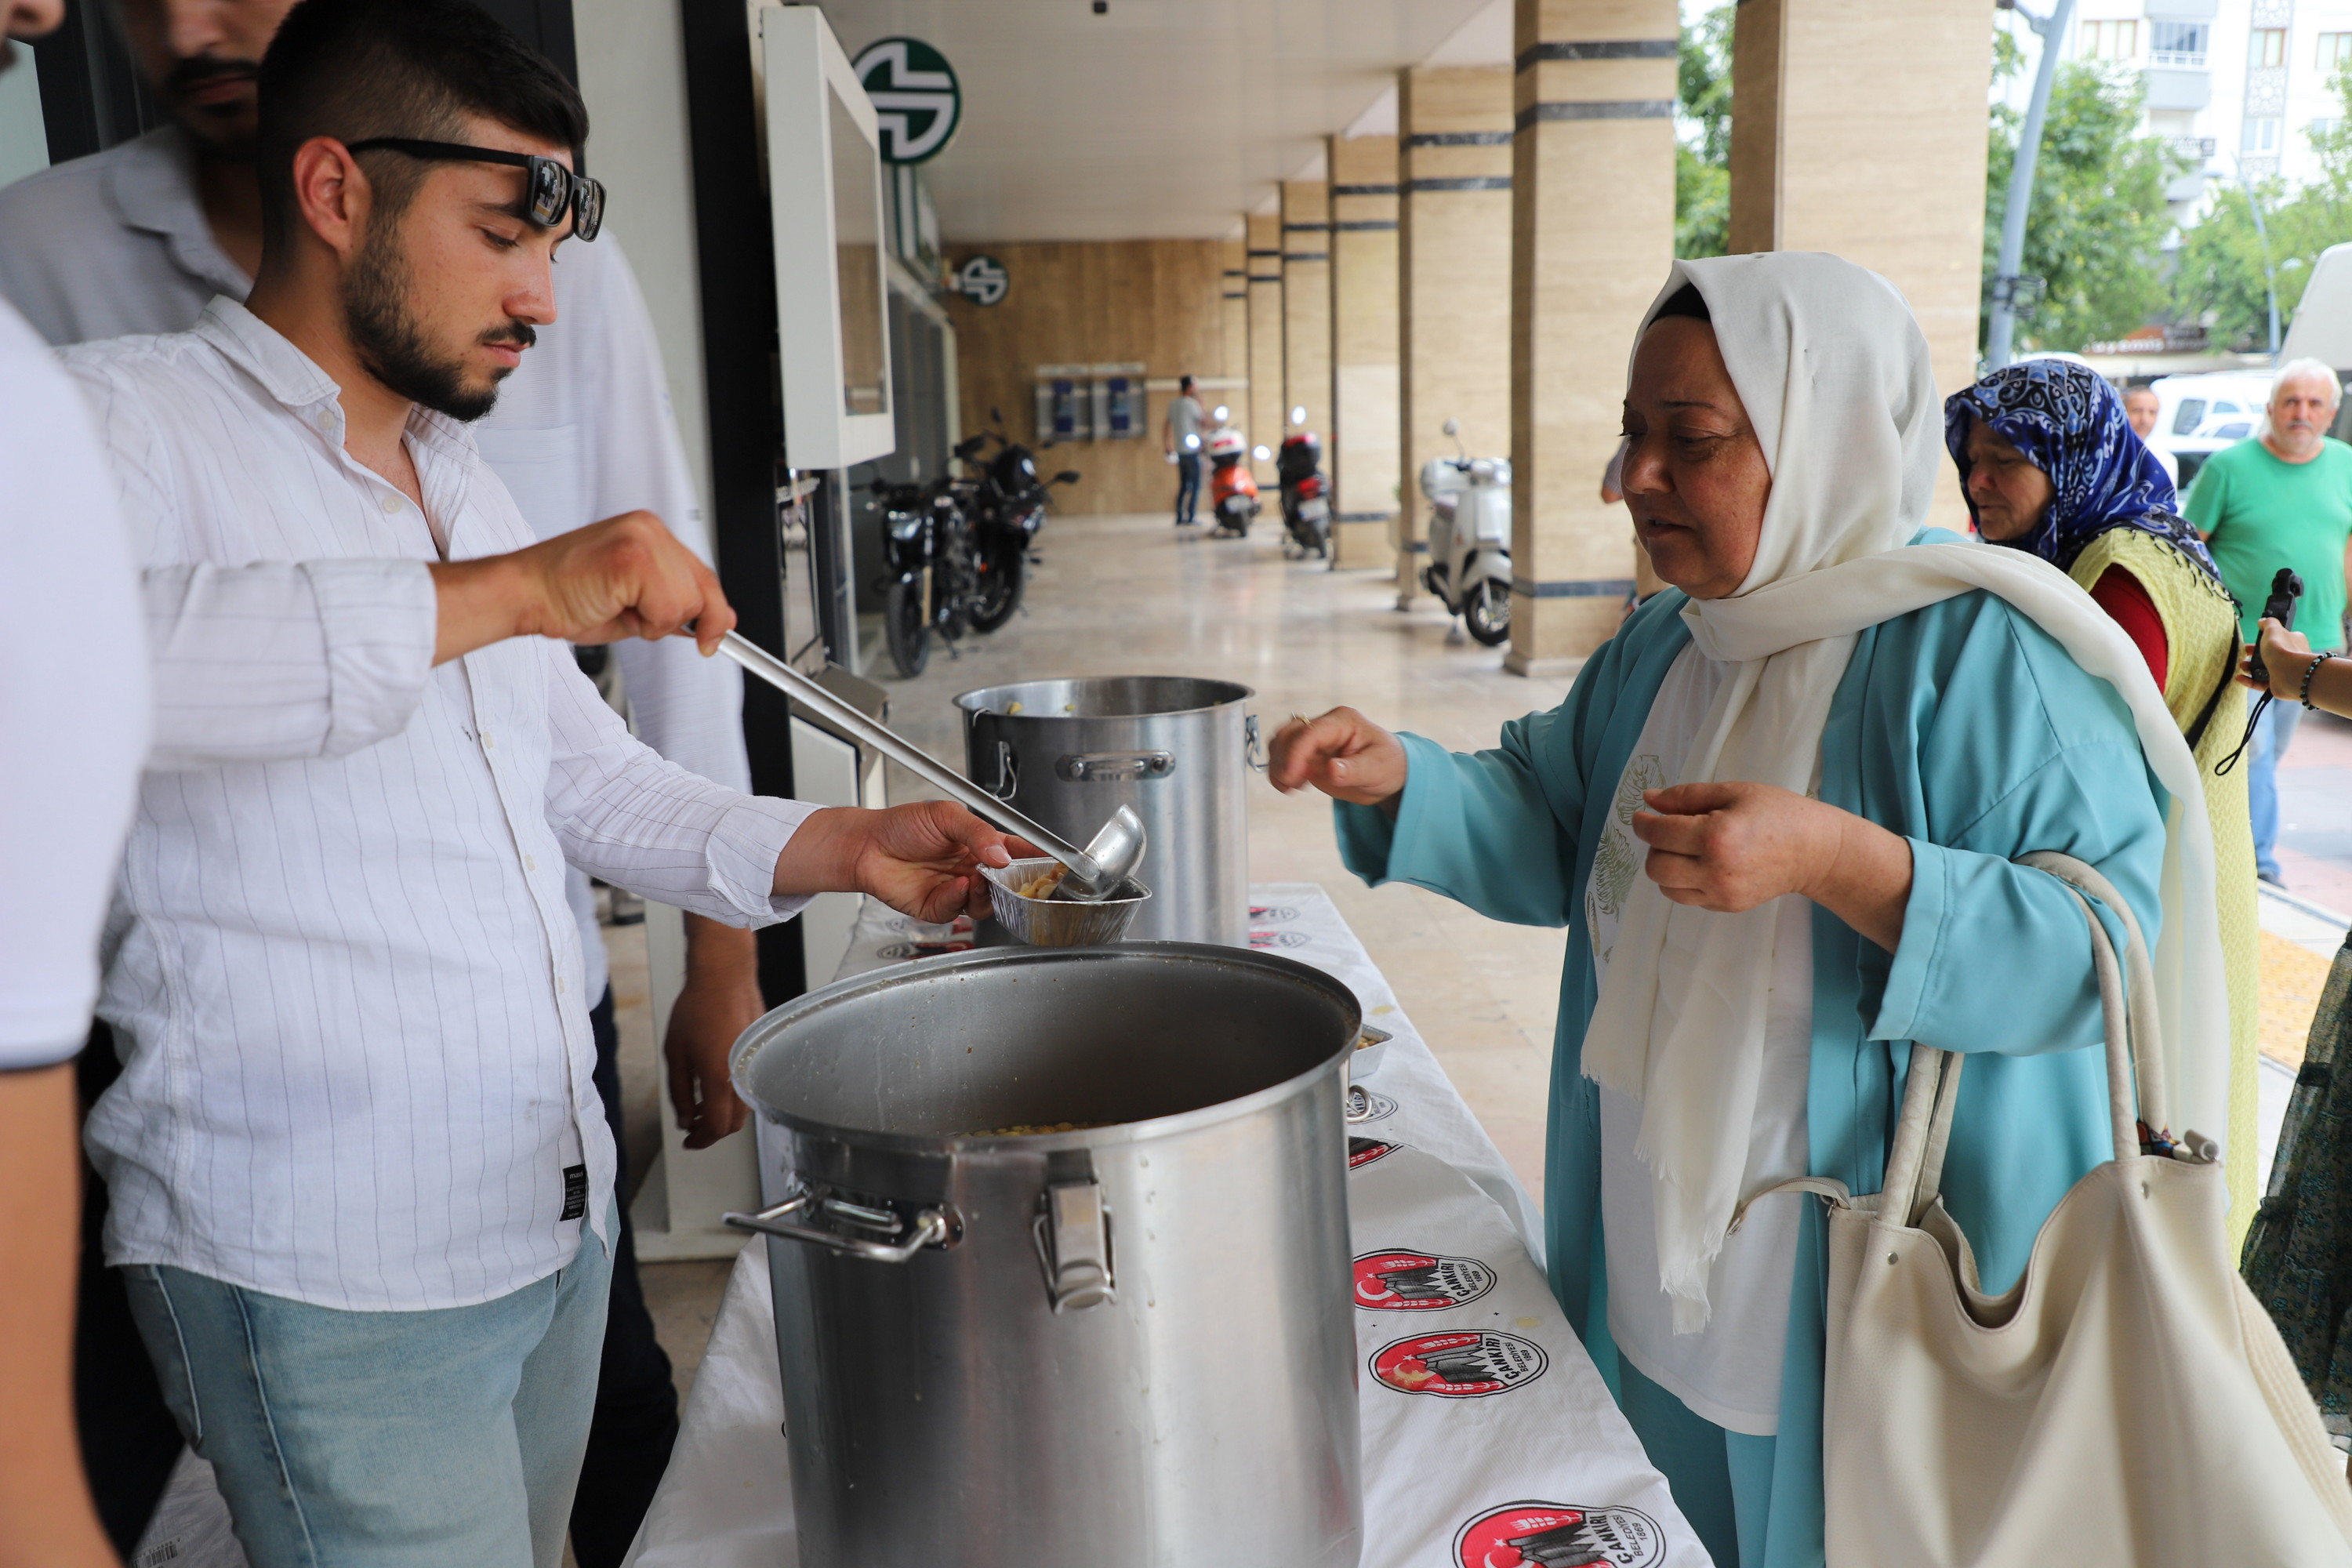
[1964,728]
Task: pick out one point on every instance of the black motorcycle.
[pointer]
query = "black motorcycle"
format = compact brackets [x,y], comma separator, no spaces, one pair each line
[1006,499]
[957,551]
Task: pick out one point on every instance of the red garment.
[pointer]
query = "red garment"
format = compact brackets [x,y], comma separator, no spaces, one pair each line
[2127,605]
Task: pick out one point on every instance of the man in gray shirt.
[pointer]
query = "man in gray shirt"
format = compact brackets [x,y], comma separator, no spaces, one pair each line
[1179,434]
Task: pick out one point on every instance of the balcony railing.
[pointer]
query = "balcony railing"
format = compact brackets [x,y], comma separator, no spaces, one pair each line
[2199,148]
[2179,60]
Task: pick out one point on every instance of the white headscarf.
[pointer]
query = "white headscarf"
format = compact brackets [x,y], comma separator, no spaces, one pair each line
[1834,375]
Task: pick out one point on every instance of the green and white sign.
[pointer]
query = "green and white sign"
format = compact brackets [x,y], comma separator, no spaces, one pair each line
[917,102]
[983,280]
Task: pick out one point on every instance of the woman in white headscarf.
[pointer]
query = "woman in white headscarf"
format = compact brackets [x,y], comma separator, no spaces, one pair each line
[1778,813]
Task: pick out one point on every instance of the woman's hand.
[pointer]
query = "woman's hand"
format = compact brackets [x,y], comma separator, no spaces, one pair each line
[1731,847]
[1342,753]
[2285,655]
[922,858]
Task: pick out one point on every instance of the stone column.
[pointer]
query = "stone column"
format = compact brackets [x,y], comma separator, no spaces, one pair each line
[1364,390]
[1593,203]
[1858,128]
[1235,303]
[1453,264]
[1306,307]
[1263,414]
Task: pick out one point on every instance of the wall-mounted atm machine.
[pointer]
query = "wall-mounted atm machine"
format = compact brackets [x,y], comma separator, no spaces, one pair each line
[1118,402]
[1090,402]
[789,228]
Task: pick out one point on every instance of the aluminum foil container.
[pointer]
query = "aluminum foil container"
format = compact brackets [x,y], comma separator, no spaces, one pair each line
[1059,923]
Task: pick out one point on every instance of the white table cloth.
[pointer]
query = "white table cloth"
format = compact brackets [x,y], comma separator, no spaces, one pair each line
[1489,1438]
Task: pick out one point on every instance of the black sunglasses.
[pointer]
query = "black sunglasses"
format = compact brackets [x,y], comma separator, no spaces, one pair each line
[552,187]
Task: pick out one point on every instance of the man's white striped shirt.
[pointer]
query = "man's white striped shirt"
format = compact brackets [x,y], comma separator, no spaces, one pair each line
[342,971]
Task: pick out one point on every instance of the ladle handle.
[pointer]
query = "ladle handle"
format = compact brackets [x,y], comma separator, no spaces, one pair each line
[911,757]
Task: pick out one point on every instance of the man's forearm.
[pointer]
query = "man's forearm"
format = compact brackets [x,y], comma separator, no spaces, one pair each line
[718,951]
[45,1516]
[478,603]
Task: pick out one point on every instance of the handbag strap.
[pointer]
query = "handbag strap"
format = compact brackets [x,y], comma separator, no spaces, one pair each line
[2143,1064]
[1923,1129]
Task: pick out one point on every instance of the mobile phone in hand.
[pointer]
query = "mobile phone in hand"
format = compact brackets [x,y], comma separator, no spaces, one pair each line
[2286,587]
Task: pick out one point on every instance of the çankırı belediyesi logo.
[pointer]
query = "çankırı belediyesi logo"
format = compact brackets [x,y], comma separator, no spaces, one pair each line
[1472,1365]
[1403,1281]
[1559,1535]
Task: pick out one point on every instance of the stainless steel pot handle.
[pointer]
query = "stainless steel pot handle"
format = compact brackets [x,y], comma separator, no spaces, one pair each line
[1073,1236]
[1253,746]
[1008,772]
[1115,767]
[930,1229]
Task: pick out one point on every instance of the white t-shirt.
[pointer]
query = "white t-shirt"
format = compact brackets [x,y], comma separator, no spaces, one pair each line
[73,702]
[1729,1373]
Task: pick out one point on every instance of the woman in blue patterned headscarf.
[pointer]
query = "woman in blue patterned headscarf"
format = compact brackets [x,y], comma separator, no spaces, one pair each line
[2064,420]
[2051,464]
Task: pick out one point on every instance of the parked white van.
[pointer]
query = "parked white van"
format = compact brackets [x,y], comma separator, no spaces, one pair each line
[2197,415]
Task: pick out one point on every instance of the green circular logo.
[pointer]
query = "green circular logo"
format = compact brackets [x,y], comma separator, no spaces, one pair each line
[983,280]
[917,101]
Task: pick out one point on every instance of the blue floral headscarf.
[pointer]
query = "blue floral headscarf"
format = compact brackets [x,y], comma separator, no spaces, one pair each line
[2070,424]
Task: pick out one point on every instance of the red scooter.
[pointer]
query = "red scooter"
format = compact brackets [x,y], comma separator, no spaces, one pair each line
[1233,489]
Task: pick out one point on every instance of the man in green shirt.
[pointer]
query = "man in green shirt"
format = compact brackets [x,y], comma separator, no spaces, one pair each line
[2284,499]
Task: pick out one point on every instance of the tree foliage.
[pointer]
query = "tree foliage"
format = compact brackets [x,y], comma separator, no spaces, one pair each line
[2221,282]
[1703,139]
[2098,220]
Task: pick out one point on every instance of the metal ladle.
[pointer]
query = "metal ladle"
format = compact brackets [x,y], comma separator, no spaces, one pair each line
[1096,872]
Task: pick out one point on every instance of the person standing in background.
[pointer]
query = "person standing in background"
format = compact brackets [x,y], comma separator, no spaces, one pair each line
[2284,499]
[2141,406]
[137,239]
[1180,436]
[73,730]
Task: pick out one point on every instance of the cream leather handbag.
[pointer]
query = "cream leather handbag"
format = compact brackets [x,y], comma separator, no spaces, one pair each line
[2126,1402]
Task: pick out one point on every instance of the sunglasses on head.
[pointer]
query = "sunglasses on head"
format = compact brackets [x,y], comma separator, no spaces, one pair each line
[553,189]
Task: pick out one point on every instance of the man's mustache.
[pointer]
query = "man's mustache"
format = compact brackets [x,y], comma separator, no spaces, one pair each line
[519,333]
[198,70]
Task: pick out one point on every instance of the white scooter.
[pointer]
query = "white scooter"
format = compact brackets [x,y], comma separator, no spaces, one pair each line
[1469,566]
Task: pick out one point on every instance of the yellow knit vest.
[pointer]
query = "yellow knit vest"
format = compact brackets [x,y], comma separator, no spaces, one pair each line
[2200,635]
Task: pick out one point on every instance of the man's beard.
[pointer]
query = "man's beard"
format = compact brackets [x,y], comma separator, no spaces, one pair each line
[224,130]
[393,349]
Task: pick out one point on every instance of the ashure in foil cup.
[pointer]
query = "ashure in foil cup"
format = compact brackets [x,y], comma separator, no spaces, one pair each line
[1051,923]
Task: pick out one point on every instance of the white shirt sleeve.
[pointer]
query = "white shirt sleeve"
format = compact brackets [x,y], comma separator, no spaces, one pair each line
[73,704]
[688,708]
[624,814]
[272,661]
[285,660]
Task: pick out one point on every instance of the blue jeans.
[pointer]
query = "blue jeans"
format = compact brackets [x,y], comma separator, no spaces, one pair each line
[1188,485]
[449,1439]
[2271,738]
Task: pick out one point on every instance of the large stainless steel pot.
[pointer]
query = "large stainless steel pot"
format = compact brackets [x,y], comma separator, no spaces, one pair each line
[1125,1344]
[1176,749]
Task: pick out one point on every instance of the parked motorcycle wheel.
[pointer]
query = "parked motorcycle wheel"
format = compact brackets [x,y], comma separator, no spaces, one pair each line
[1487,612]
[1000,577]
[906,628]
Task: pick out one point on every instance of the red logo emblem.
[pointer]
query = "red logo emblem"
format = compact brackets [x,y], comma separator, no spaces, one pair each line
[1418,1281]
[1459,1366]
[1364,1150]
[1561,1535]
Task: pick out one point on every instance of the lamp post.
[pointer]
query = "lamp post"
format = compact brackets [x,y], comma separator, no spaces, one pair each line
[2270,273]
[2005,281]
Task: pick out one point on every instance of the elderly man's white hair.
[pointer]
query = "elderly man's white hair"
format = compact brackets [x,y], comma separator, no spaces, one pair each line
[2307,368]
